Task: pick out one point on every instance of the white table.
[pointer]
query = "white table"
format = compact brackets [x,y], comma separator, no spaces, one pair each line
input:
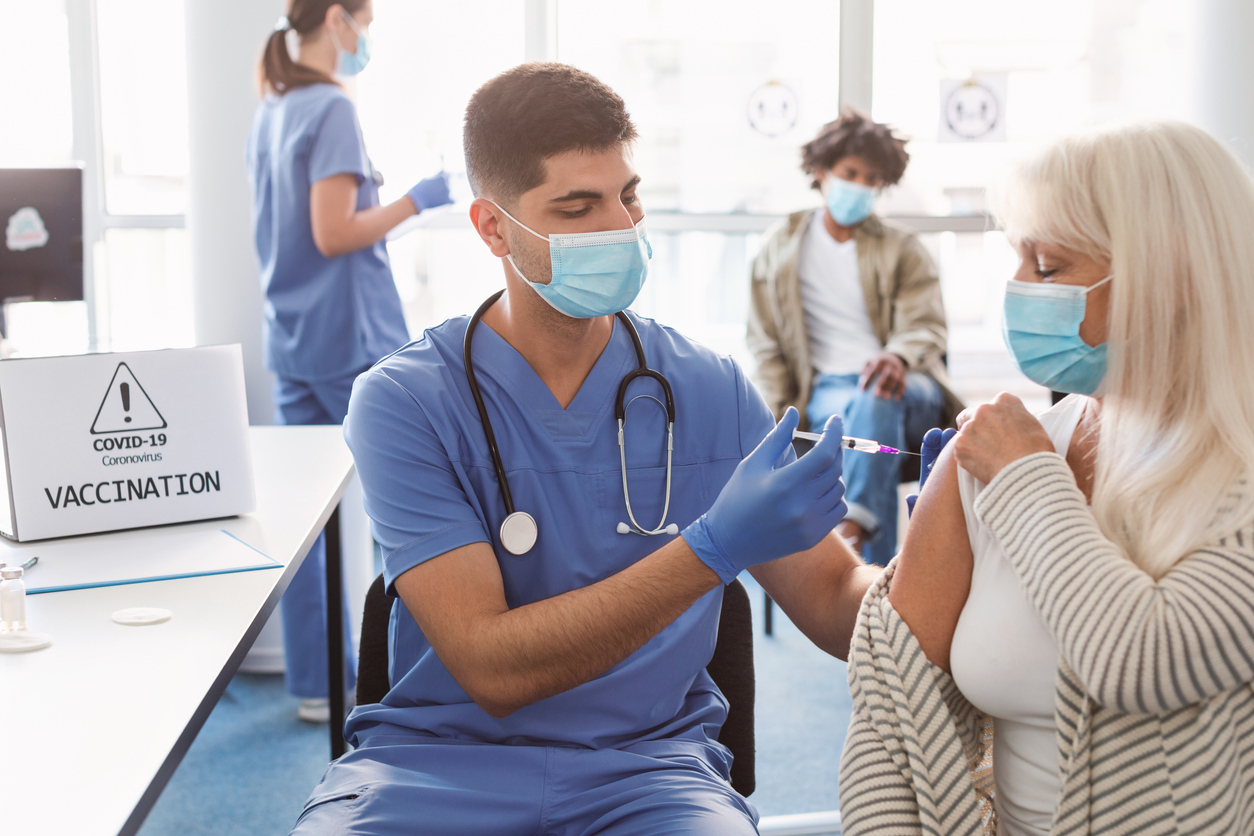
[92,728]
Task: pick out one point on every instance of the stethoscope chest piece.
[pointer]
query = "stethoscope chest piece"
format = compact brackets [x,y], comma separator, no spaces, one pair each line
[519,532]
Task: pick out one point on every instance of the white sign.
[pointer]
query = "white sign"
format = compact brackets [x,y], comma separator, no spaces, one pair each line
[774,109]
[973,109]
[101,442]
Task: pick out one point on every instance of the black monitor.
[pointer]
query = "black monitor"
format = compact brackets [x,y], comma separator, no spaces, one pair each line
[41,215]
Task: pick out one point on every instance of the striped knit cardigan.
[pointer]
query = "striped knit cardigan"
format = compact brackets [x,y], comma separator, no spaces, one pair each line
[1154,702]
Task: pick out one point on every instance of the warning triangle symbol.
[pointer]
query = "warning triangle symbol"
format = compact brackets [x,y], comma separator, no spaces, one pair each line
[126,407]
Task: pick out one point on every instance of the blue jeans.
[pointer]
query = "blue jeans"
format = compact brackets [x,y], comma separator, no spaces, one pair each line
[304,604]
[871,479]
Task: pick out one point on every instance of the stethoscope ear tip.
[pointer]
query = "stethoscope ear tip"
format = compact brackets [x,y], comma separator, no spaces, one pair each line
[624,528]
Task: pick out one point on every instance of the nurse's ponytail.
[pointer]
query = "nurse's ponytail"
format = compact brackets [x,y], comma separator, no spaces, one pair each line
[278,73]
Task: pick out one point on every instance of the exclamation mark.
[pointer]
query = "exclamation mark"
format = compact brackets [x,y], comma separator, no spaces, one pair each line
[125,389]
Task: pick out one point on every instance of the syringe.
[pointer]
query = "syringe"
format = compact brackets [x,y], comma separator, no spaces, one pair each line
[864,445]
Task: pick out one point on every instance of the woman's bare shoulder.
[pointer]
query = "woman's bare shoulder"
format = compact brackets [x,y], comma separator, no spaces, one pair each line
[933,577]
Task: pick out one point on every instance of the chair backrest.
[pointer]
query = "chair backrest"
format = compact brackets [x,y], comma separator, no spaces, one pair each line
[372,656]
[731,668]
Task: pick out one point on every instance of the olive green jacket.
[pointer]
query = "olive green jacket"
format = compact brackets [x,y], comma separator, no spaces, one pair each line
[903,300]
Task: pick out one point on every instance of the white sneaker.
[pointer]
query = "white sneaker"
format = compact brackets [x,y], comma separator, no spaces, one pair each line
[316,710]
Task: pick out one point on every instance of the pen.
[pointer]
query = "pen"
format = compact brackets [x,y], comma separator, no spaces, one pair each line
[26,566]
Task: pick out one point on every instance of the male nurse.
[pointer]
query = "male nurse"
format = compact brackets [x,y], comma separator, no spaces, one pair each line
[563,690]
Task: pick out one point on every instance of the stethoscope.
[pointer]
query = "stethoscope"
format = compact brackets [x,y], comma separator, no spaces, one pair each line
[519,530]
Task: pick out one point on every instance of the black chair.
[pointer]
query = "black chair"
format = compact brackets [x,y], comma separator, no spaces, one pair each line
[731,668]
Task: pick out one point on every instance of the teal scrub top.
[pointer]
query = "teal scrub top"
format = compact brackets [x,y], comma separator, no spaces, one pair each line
[325,318]
[430,487]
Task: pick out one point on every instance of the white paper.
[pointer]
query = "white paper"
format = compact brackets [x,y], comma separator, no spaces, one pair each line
[106,442]
[123,559]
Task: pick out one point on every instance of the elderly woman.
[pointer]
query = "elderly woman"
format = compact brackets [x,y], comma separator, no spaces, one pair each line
[1075,597]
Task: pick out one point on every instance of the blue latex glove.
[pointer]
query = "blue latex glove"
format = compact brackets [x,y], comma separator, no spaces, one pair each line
[933,443]
[431,192]
[767,510]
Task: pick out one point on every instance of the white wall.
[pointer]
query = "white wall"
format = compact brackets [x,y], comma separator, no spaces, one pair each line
[224,40]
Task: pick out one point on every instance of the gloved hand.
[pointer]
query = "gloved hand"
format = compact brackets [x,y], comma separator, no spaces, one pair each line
[933,442]
[431,192]
[766,512]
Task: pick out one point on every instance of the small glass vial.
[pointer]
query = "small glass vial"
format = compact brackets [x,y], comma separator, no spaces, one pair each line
[12,600]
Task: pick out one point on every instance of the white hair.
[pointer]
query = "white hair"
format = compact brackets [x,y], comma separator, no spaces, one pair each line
[1172,210]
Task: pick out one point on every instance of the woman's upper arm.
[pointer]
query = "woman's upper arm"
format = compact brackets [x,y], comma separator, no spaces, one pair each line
[933,575]
[332,204]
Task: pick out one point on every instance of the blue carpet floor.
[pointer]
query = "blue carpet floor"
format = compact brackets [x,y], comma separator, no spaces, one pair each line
[254,764]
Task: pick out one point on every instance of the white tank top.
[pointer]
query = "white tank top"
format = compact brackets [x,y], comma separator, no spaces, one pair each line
[1005,661]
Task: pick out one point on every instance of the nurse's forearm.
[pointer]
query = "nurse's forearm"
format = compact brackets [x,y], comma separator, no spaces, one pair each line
[506,659]
[820,590]
[339,228]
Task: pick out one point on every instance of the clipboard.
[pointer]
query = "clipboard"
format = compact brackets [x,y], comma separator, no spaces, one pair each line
[118,560]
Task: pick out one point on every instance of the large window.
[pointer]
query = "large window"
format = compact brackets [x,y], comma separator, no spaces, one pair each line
[35,84]
[143,106]
[124,116]
[723,102]
[1064,65]
[428,59]
[723,95]
[1056,67]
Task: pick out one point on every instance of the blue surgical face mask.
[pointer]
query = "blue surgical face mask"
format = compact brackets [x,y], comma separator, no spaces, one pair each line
[1042,330]
[351,63]
[594,273]
[849,203]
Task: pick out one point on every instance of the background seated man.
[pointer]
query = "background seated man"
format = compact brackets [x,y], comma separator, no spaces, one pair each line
[564,690]
[847,319]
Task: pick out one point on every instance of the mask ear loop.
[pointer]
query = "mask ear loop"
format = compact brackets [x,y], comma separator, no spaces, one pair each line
[543,238]
[510,256]
[1093,287]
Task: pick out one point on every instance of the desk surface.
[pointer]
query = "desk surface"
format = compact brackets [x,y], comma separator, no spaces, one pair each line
[94,726]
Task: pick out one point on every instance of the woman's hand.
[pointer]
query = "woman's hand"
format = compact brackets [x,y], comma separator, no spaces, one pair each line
[992,435]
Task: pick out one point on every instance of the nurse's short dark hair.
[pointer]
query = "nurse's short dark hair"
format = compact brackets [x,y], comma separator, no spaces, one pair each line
[855,134]
[530,113]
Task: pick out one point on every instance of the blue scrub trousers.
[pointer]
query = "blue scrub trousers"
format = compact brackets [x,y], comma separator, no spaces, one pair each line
[412,786]
[304,605]
[871,479]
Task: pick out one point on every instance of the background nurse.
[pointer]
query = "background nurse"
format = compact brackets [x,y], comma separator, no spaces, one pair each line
[331,307]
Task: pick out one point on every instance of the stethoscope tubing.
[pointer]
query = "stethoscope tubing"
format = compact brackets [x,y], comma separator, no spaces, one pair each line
[493,451]
[620,411]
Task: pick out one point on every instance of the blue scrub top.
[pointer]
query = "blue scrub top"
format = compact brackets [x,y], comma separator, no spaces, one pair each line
[430,488]
[325,317]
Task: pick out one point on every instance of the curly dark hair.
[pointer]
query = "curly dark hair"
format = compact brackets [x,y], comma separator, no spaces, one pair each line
[854,134]
[532,112]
